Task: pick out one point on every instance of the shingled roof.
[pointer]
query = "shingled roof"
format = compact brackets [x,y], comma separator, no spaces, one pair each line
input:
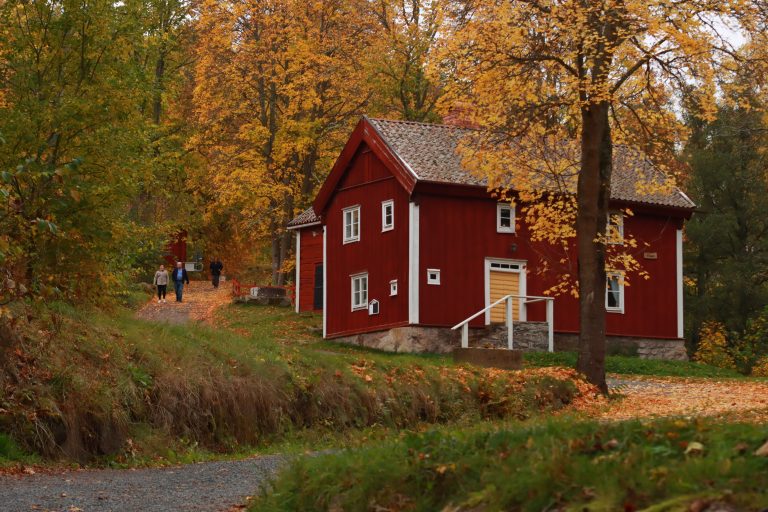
[305,218]
[429,151]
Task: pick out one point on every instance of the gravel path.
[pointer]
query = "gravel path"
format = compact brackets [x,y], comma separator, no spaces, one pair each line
[200,300]
[207,486]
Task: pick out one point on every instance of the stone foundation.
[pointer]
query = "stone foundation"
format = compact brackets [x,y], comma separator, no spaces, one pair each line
[644,348]
[410,339]
[527,336]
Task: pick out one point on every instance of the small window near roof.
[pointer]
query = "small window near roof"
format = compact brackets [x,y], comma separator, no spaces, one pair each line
[433,276]
[351,224]
[614,293]
[505,218]
[615,228]
[393,288]
[387,215]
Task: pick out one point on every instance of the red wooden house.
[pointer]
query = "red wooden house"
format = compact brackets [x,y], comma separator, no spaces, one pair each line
[402,243]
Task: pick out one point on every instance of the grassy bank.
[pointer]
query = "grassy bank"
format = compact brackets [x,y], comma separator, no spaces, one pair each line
[101,385]
[557,465]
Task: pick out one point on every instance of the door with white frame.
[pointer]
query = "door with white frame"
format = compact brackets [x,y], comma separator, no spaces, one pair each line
[504,277]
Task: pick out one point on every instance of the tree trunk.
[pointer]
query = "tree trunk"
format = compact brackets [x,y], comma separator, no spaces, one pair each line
[593,194]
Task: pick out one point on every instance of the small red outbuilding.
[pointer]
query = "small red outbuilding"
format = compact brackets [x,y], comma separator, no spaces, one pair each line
[402,239]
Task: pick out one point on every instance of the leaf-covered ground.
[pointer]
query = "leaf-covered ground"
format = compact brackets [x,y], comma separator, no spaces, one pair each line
[200,301]
[644,397]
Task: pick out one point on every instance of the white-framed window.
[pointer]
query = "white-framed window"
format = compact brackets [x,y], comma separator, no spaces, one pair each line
[505,218]
[393,288]
[615,228]
[387,215]
[433,276]
[359,291]
[351,224]
[614,292]
[373,307]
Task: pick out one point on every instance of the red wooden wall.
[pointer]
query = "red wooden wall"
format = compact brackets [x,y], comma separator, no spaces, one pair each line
[311,239]
[176,250]
[458,234]
[383,255]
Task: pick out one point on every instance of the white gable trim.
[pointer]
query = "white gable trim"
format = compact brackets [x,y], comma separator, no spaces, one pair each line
[298,269]
[679,272]
[325,285]
[413,263]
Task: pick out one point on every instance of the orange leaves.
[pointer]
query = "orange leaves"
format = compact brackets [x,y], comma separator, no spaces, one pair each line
[659,397]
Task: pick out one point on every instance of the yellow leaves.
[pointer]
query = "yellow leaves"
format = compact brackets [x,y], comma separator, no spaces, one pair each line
[713,346]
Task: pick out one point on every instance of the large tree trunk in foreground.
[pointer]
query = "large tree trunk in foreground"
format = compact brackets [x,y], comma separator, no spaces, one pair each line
[593,194]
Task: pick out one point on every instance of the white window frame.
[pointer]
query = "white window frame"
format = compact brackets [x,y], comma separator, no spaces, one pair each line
[353,236]
[393,288]
[620,276]
[505,229]
[389,203]
[619,227]
[373,307]
[361,304]
[436,280]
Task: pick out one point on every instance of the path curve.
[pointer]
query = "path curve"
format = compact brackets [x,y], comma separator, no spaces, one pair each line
[200,299]
[648,397]
[206,486]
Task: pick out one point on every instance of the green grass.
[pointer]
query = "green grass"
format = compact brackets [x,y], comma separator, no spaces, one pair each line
[629,365]
[556,465]
[103,387]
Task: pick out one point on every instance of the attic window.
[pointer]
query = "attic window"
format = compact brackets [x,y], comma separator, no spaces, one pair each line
[351,224]
[505,218]
[615,228]
[393,288]
[433,276]
[387,215]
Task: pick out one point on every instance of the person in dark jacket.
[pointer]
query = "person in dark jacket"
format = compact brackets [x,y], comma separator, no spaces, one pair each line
[179,277]
[216,267]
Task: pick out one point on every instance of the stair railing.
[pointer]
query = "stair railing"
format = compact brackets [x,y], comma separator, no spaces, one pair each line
[509,299]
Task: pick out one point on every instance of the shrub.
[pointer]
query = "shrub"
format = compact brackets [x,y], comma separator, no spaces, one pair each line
[713,346]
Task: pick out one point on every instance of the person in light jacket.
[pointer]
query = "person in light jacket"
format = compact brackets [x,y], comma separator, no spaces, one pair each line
[161,281]
[179,277]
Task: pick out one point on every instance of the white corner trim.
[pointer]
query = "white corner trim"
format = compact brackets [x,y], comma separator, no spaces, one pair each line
[413,263]
[325,285]
[298,268]
[679,272]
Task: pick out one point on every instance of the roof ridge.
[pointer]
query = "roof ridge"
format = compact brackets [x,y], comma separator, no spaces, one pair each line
[420,123]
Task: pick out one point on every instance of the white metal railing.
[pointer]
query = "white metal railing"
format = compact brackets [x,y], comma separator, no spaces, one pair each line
[527,299]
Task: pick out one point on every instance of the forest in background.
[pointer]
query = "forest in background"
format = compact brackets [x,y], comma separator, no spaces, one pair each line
[123,123]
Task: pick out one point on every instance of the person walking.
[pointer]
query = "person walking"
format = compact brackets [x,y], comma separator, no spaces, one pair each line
[179,277]
[161,281]
[216,267]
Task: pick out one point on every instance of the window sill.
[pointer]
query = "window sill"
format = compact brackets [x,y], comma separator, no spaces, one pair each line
[384,230]
[615,310]
[350,241]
